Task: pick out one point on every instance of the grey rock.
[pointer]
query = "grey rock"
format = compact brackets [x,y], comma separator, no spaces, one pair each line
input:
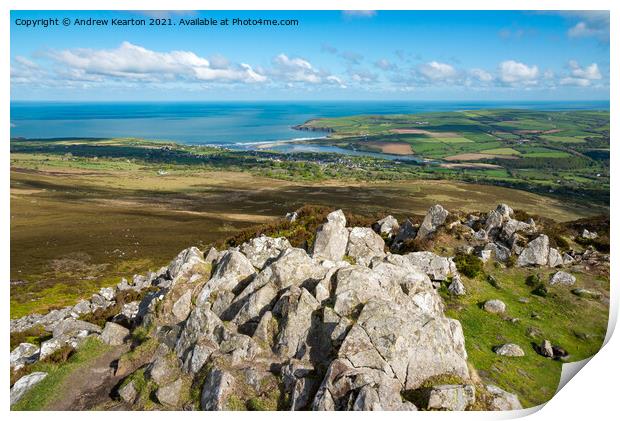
[406,232]
[435,216]
[438,268]
[184,262]
[501,252]
[291,216]
[364,244]
[23,354]
[24,384]
[555,258]
[494,306]
[562,278]
[451,397]
[587,293]
[567,259]
[72,326]
[212,256]
[456,287]
[218,386]
[589,235]
[164,369]
[128,392]
[107,293]
[331,238]
[509,350]
[295,308]
[83,307]
[130,310]
[232,269]
[182,306]
[114,334]
[500,400]
[536,253]
[485,255]
[387,226]
[170,393]
[262,250]
[546,349]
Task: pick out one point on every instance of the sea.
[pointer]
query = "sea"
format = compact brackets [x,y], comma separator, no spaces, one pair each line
[235,125]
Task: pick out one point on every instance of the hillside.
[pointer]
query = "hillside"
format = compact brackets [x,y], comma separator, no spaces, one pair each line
[323,310]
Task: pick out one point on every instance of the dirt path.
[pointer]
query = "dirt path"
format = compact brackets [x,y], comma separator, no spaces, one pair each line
[89,387]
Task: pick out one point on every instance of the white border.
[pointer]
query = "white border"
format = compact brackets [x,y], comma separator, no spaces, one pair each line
[591,394]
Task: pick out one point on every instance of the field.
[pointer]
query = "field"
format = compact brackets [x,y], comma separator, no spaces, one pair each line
[541,151]
[79,223]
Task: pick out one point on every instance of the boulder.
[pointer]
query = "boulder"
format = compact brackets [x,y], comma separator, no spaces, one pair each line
[438,268]
[212,256]
[184,262]
[536,253]
[406,232]
[589,235]
[494,306]
[164,369]
[182,307]
[587,293]
[387,226]
[107,293]
[500,400]
[72,326]
[562,278]
[331,238]
[83,307]
[451,397]
[555,258]
[114,334]
[501,252]
[263,250]
[218,386]
[456,287]
[170,393]
[364,244]
[24,384]
[295,309]
[509,350]
[435,216]
[22,354]
[546,349]
[232,270]
[128,392]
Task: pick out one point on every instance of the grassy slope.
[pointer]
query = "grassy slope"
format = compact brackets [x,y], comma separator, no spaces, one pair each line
[563,319]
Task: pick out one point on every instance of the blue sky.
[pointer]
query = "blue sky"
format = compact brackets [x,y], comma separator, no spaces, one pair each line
[408,55]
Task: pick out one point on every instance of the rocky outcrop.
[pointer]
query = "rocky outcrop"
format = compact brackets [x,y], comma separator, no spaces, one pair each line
[435,217]
[347,326]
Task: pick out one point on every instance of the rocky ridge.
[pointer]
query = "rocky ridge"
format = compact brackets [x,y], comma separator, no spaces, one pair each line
[352,324]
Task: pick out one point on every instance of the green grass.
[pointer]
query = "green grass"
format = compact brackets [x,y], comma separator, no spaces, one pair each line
[501,151]
[50,388]
[563,318]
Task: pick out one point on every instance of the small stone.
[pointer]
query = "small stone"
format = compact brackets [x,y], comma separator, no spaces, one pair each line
[114,334]
[586,293]
[170,393]
[494,306]
[562,278]
[545,349]
[128,392]
[509,350]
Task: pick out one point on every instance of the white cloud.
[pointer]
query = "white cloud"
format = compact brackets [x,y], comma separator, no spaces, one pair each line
[436,71]
[299,70]
[133,62]
[514,73]
[481,75]
[594,23]
[581,76]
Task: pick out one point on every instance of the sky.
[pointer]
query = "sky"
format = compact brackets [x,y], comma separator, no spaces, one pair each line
[327,55]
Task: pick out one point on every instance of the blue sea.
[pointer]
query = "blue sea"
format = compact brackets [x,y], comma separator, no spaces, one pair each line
[230,124]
